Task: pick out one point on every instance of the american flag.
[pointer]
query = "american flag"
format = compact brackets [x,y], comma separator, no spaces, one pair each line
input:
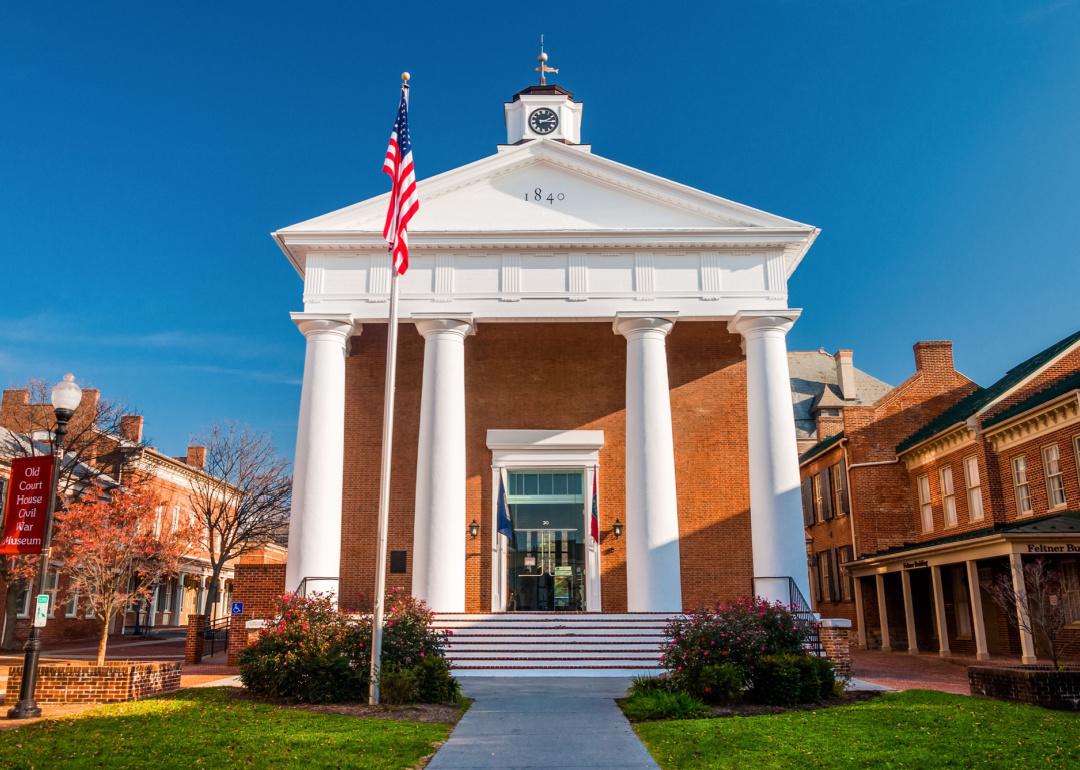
[404,202]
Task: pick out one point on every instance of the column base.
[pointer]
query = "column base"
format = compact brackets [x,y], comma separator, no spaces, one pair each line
[982,656]
[944,653]
[886,648]
[1028,660]
[912,650]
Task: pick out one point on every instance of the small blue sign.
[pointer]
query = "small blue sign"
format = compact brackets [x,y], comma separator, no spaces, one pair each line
[237,608]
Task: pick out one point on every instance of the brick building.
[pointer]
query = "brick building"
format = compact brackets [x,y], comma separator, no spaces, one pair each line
[117,458]
[570,328]
[916,504]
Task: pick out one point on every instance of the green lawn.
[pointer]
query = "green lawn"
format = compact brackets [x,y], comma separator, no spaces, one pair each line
[913,729]
[206,728]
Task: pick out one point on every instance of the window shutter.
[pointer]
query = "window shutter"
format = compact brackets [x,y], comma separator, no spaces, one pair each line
[834,555]
[826,495]
[844,491]
[807,502]
[818,567]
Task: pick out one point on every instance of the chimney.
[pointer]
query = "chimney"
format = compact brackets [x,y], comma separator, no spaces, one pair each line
[845,375]
[934,355]
[131,428]
[196,457]
[13,400]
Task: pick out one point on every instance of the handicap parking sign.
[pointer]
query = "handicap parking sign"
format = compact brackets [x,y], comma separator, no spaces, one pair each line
[237,608]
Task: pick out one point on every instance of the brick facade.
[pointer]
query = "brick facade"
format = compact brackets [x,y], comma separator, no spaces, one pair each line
[113,682]
[558,376]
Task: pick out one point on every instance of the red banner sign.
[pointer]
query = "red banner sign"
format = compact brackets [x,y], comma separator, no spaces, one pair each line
[27,505]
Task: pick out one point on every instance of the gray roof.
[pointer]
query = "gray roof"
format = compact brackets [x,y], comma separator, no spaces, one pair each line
[813,380]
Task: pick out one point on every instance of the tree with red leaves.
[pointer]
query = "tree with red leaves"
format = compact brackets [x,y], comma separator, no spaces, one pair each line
[114,549]
[16,572]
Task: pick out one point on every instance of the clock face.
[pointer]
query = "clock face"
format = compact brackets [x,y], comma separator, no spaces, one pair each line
[543,121]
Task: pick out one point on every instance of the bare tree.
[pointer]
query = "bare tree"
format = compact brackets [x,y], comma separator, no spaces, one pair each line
[1044,613]
[242,498]
[94,452]
[94,449]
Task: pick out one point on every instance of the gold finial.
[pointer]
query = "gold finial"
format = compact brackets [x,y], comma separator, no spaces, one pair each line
[543,69]
[405,77]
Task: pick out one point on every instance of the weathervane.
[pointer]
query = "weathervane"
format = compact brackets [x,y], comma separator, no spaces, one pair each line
[543,69]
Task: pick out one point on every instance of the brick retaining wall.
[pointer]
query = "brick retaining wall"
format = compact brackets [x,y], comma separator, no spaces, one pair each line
[113,682]
[835,637]
[1038,685]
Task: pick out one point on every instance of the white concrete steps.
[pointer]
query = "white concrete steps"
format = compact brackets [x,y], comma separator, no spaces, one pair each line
[554,644]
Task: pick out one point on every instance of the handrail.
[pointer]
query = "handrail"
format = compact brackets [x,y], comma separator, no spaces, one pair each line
[802,613]
[302,588]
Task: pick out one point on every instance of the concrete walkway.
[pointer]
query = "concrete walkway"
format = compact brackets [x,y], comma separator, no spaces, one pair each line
[525,722]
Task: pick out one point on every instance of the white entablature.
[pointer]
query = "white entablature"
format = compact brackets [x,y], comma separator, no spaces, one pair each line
[544,230]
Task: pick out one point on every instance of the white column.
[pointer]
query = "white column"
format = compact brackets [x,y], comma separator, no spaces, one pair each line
[883,613]
[776,518]
[653,569]
[438,575]
[1027,641]
[909,614]
[860,613]
[939,612]
[982,652]
[315,522]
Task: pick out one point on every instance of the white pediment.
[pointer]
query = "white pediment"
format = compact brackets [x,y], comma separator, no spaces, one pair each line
[579,191]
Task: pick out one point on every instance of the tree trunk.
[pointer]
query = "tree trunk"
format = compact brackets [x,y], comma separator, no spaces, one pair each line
[103,640]
[211,593]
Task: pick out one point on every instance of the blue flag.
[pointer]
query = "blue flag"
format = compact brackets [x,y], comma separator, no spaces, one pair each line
[505,527]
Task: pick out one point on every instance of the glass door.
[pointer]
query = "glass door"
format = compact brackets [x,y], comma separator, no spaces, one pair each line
[546,555]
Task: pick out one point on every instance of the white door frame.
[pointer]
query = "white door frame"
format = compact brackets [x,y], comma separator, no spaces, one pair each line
[547,449]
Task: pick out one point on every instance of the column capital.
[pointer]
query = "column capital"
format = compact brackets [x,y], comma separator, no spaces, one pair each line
[631,325]
[331,324]
[437,323]
[749,322]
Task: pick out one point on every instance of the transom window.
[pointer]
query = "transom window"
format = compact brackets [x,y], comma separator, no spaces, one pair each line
[552,487]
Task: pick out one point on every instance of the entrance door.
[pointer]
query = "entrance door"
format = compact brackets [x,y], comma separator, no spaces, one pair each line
[546,557]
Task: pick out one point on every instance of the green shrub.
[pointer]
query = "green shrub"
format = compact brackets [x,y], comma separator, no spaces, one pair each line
[307,653]
[809,682]
[737,633]
[663,705]
[777,680]
[645,684]
[434,682]
[826,675]
[720,683]
[397,686]
[313,653]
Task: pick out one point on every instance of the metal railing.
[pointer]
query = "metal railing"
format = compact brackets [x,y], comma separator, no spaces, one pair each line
[216,636]
[785,590]
[320,585]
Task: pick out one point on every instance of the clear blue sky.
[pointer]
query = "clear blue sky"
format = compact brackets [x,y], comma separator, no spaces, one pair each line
[148,150]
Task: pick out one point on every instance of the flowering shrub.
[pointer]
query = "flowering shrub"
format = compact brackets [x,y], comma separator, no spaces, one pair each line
[309,652]
[312,652]
[738,633]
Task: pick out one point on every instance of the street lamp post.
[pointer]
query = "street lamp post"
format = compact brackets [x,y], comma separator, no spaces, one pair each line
[66,396]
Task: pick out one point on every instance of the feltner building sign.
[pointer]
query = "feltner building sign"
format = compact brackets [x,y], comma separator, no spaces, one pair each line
[571,327]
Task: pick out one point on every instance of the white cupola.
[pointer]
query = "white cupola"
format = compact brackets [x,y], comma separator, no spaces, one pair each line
[543,111]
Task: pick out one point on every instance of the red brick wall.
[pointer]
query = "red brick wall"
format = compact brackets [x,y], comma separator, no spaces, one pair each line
[1065,439]
[955,460]
[258,586]
[557,376]
[1062,367]
[113,682]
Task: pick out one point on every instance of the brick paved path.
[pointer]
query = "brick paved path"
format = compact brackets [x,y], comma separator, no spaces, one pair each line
[926,671]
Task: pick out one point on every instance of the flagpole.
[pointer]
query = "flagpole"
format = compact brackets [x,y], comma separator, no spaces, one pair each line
[384,474]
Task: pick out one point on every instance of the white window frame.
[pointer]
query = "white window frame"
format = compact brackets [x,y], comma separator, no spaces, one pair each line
[52,584]
[837,488]
[973,482]
[159,513]
[1055,482]
[1021,485]
[948,496]
[817,493]
[926,503]
[175,518]
[71,609]
[24,611]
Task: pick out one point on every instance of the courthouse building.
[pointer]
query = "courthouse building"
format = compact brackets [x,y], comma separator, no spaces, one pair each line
[568,324]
